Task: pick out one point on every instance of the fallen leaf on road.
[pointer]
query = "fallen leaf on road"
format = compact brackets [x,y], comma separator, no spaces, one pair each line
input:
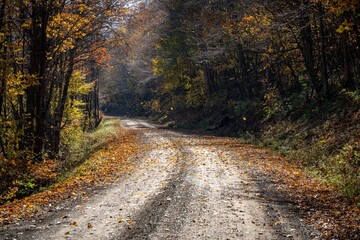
[73,223]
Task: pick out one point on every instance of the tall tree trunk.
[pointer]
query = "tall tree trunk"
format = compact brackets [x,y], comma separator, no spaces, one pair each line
[280,85]
[296,85]
[36,93]
[3,107]
[208,79]
[58,118]
[307,48]
[348,79]
[97,115]
[324,71]
[3,52]
[2,13]
[244,70]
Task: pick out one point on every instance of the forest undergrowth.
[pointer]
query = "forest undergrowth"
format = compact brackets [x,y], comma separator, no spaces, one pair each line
[95,159]
[320,136]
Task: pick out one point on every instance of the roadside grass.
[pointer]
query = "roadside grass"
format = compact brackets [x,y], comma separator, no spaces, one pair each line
[333,215]
[21,177]
[328,149]
[78,146]
[105,156]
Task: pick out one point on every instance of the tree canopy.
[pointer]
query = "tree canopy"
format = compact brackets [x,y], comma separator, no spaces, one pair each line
[50,52]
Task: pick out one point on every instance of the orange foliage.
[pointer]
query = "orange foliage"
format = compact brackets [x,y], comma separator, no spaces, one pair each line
[101,56]
[44,171]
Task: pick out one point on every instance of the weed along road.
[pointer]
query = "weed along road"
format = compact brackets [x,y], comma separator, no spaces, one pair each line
[182,186]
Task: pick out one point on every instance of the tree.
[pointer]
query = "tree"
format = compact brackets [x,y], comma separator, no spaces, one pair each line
[42,43]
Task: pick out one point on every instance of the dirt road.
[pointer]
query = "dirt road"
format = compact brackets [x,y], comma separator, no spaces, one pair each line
[184,187]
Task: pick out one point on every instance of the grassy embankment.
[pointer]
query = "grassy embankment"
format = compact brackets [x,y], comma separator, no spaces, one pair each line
[321,136]
[93,159]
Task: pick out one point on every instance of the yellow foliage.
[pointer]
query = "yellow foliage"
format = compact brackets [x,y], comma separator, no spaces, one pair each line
[345,26]
[339,7]
[69,27]
[78,86]
[155,66]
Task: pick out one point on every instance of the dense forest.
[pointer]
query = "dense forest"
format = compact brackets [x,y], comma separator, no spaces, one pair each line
[51,53]
[198,54]
[284,74]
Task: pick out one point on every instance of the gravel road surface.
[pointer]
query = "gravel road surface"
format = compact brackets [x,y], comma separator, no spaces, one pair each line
[185,186]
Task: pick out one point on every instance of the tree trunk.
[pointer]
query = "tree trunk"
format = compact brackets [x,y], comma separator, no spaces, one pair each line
[36,93]
[296,85]
[244,70]
[56,128]
[208,79]
[324,71]
[307,49]
[348,79]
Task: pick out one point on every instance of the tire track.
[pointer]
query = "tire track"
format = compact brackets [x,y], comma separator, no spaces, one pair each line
[153,220]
